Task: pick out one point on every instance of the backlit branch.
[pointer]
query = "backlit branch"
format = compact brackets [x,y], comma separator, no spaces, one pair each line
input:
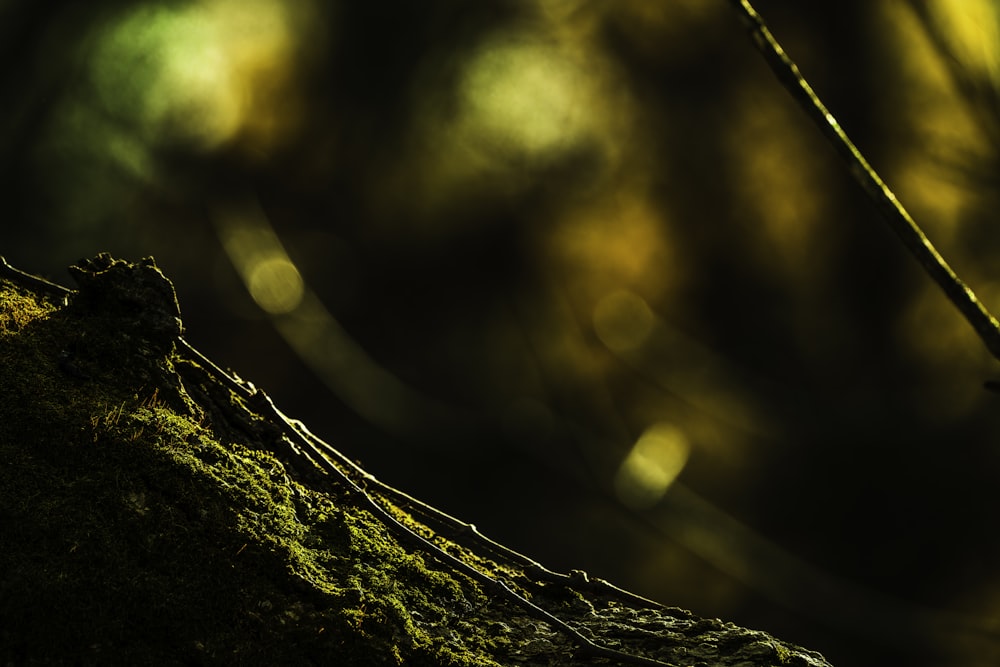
[892,210]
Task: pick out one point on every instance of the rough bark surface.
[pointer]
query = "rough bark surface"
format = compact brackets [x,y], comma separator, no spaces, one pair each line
[150,513]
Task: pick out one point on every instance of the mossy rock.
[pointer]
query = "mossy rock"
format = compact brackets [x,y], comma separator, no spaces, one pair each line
[140,525]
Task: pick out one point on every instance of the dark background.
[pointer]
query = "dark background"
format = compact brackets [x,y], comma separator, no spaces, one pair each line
[530,231]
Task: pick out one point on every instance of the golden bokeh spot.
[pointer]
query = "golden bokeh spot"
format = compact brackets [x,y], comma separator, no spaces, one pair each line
[260,258]
[778,183]
[620,240]
[623,320]
[652,465]
[275,284]
[198,73]
[489,121]
[946,134]
[938,202]
[524,96]
[973,33]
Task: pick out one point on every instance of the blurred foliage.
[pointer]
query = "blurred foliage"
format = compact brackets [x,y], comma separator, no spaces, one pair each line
[579,272]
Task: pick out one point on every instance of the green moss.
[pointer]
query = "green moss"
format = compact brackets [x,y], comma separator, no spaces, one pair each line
[144,519]
[785,656]
[136,531]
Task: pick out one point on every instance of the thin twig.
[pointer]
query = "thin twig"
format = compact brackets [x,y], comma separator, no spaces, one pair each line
[31,280]
[305,445]
[898,218]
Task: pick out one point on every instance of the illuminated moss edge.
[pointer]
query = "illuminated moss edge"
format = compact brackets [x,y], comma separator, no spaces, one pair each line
[133,530]
[131,533]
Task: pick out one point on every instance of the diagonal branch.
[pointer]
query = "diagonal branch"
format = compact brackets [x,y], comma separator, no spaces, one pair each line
[892,210]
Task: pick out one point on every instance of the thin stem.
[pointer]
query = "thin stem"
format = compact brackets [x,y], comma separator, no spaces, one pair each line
[304,445]
[31,280]
[898,218]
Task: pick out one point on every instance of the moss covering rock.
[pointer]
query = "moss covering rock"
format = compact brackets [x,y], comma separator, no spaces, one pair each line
[139,525]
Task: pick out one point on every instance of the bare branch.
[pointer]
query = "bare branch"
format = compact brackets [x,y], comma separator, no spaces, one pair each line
[892,210]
